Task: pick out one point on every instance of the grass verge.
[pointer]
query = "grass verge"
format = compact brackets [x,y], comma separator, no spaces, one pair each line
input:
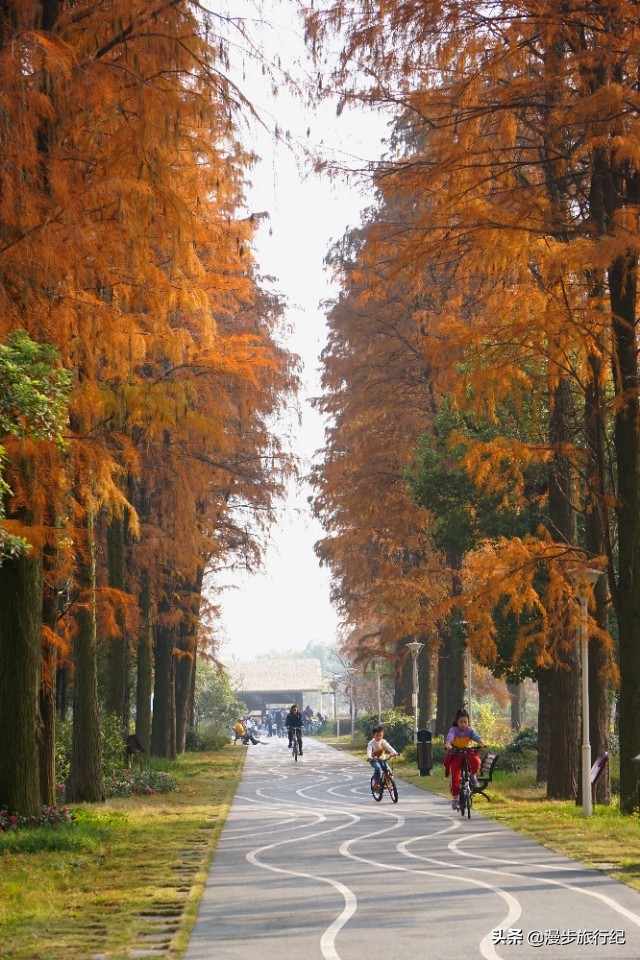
[125,879]
[607,841]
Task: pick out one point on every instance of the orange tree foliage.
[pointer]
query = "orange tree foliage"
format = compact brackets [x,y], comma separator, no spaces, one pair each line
[123,243]
[376,398]
[527,187]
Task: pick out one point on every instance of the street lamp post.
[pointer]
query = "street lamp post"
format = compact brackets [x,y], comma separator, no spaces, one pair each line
[334,687]
[350,674]
[591,576]
[468,665]
[415,649]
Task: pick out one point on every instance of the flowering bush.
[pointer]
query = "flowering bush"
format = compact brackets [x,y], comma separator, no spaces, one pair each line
[128,782]
[49,817]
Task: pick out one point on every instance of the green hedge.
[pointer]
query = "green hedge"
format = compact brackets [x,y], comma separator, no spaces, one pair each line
[398,728]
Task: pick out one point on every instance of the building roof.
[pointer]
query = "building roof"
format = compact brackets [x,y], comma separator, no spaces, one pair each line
[273,676]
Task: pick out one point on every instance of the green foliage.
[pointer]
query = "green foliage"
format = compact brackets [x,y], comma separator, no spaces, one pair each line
[216,704]
[113,745]
[114,760]
[34,389]
[525,739]
[198,742]
[34,395]
[492,727]
[522,753]
[398,728]
[518,762]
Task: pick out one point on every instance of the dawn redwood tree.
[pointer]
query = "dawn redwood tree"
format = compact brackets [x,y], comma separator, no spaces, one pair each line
[377,399]
[531,181]
[121,243]
[33,398]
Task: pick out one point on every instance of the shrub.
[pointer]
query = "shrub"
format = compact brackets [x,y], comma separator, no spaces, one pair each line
[112,746]
[328,729]
[525,740]
[200,742]
[48,817]
[398,728]
[129,783]
[515,762]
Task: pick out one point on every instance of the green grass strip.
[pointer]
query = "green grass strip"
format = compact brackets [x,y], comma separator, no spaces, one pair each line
[128,876]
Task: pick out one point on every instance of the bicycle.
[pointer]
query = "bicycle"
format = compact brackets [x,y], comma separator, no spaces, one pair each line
[465,794]
[296,744]
[387,783]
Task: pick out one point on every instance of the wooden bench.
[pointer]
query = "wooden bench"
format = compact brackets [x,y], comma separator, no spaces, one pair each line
[485,774]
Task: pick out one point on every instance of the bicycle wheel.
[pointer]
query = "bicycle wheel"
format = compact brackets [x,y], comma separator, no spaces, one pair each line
[391,787]
[377,791]
[295,748]
[465,799]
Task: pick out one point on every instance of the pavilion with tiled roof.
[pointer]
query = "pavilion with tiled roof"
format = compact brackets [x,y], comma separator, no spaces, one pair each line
[277,683]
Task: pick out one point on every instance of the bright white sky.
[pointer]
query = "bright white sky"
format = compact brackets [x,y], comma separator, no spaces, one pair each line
[287,604]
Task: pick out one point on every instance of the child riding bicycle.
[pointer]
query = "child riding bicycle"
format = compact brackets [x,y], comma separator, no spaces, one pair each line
[377,748]
[461,735]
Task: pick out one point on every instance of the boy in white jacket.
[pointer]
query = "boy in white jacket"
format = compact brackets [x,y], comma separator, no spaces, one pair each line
[377,750]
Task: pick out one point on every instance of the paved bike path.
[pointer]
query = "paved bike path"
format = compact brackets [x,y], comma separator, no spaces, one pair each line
[310,867]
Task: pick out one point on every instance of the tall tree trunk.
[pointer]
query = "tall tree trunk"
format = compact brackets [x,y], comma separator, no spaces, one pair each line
[544,725]
[47,743]
[20,653]
[450,673]
[564,678]
[163,725]
[425,687]
[516,691]
[186,661]
[623,295]
[144,672]
[596,528]
[85,776]
[403,686]
[117,700]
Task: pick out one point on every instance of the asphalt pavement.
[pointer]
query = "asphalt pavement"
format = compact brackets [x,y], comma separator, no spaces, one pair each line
[310,867]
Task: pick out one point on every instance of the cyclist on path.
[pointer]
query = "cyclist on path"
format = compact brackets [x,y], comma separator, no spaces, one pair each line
[293,723]
[377,750]
[461,735]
